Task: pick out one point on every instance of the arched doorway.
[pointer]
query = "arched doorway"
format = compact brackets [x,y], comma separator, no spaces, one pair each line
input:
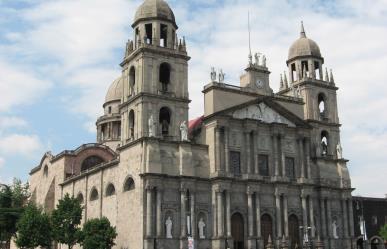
[266,228]
[360,243]
[376,243]
[237,231]
[294,234]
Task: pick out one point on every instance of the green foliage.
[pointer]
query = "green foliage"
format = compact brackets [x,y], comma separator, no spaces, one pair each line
[383,232]
[66,219]
[34,228]
[12,201]
[98,234]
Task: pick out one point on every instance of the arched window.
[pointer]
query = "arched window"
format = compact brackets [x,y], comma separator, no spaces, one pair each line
[266,228]
[164,120]
[110,190]
[132,80]
[91,162]
[324,143]
[129,184]
[80,198]
[94,194]
[131,124]
[164,76]
[322,105]
[45,171]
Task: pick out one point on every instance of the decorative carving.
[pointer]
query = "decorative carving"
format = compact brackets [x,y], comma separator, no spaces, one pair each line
[184,131]
[168,227]
[339,150]
[213,74]
[151,126]
[201,226]
[334,229]
[221,76]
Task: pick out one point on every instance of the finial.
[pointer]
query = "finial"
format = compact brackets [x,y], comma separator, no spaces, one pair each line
[286,80]
[326,75]
[302,34]
[331,80]
[281,82]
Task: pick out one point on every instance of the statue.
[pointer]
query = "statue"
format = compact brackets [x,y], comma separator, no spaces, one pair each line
[257,55]
[334,229]
[324,147]
[221,76]
[201,226]
[168,227]
[184,131]
[164,127]
[213,74]
[264,61]
[339,150]
[250,59]
[151,126]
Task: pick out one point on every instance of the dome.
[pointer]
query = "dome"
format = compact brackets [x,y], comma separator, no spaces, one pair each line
[151,9]
[115,90]
[304,47]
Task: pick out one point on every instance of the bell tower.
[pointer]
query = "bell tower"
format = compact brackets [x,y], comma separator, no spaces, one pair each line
[308,81]
[155,72]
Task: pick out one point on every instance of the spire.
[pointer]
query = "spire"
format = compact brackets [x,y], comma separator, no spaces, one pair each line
[286,81]
[331,79]
[302,34]
[326,75]
[281,83]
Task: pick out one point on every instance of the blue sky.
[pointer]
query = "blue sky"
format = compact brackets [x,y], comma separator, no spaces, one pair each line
[58,57]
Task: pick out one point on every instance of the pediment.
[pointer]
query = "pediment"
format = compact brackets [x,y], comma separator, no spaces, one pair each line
[261,112]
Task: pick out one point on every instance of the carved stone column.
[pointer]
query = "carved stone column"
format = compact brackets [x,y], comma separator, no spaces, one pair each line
[258,214]
[351,225]
[159,219]
[275,154]
[220,214]
[323,218]
[248,152]
[250,213]
[304,211]
[301,156]
[226,149]
[345,218]
[149,216]
[228,213]
[282,154]
[286,223]
[193,216]
[278,215]
[311,217]
[218,164]
[307,157]
[256,150]
[183,216]
[329,218]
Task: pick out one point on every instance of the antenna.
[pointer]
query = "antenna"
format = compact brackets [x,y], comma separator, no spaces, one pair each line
[248,25]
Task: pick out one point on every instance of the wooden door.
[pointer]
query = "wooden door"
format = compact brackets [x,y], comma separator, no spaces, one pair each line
[237,231]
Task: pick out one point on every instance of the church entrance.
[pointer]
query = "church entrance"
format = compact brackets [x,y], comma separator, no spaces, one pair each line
[237,231]
[267,228]
[294,229]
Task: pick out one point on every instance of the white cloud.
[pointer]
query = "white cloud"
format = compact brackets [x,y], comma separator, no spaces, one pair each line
[11,122]
[19,86]
[16,144]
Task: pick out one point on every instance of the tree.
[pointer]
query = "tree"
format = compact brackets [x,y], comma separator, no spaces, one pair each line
[12,200]
[34,228]
[66,219]
[98,234]
[383,232]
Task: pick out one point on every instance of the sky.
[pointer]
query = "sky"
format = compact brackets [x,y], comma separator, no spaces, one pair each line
[58,58]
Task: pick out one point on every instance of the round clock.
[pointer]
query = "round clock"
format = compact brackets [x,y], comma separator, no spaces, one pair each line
[259,83]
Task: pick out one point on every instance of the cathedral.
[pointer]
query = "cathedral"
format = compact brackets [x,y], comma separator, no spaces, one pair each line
[260,169]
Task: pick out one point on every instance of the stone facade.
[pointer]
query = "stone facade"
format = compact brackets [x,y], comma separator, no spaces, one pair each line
[258,165]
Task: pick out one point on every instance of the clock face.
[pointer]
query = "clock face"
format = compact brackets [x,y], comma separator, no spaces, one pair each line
[259,83]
